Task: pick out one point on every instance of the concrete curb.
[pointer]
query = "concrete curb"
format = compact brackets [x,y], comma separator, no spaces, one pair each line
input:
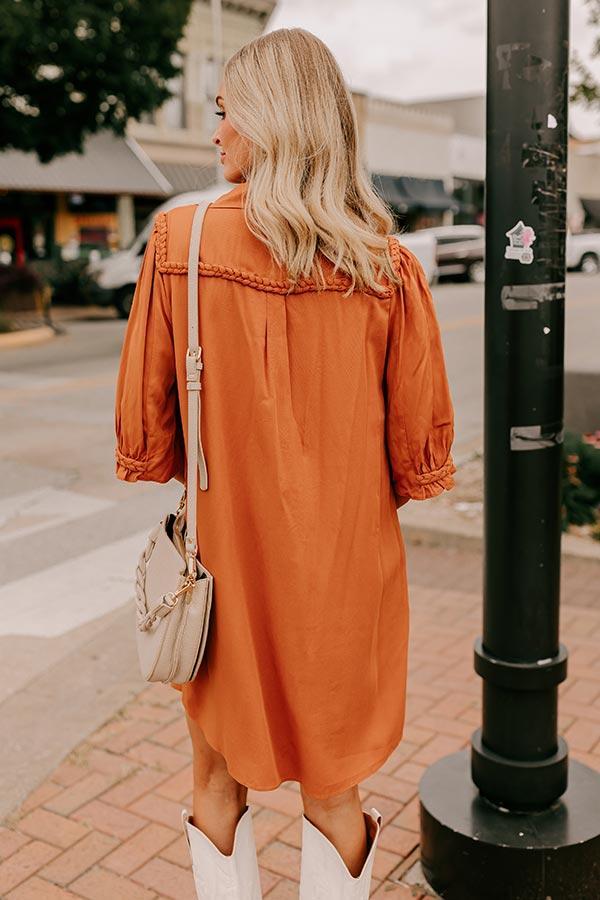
[435,524]
[26,336]
[467,536]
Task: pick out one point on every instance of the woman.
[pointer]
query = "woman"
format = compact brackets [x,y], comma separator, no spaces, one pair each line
[325,407]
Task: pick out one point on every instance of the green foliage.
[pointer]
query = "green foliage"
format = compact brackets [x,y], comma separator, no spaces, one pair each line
[74,67]
[5,325]
[70,283]
[20,288]
[581,481]
[16,280]
[585,88]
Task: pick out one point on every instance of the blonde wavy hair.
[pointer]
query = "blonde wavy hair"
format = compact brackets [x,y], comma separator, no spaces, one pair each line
[307,190]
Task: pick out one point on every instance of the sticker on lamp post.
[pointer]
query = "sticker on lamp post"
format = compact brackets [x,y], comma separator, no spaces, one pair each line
[520,237]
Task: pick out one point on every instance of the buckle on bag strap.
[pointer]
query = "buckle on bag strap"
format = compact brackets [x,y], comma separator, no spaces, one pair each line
[193,367]
[191,562]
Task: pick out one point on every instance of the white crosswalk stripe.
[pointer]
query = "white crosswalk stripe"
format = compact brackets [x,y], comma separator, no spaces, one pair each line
[66,595]
[25,513]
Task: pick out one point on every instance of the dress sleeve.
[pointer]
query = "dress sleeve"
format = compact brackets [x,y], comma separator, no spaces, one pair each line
[419,409]
[149,444]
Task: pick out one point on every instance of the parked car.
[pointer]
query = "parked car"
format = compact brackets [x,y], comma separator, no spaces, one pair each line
[460,250]
[583,252]
[115,276]
[423,245]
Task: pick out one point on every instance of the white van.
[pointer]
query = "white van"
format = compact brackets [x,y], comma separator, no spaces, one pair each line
[423,244]
[116,275]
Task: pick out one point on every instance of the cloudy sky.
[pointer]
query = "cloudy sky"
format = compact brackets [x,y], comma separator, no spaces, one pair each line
[410,51]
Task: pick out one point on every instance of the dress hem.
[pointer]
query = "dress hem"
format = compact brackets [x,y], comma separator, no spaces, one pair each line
[332,789]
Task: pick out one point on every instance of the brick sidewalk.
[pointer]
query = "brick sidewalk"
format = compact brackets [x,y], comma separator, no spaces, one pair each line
[106,823]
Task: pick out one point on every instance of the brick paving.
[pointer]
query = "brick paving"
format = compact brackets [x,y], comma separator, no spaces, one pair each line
[106,822]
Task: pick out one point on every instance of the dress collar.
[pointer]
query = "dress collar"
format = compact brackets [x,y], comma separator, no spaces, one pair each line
[232,198]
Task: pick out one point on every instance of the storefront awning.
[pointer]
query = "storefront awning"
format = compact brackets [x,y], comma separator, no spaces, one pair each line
[390,189]
[407,193]
[109,165]
[187,177]
[591,206]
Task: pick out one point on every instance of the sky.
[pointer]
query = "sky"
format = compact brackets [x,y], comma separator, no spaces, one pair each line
[410,51]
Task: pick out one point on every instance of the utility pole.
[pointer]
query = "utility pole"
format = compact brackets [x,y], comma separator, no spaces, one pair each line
[514,817]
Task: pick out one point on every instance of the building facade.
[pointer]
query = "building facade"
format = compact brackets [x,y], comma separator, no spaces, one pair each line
[468,161]
[409,155]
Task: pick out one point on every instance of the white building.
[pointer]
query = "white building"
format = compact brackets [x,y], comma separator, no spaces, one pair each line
[468,159]
[177,136]
[430,171]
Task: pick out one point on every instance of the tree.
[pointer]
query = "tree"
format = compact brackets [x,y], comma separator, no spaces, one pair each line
[585,88]
[69,68]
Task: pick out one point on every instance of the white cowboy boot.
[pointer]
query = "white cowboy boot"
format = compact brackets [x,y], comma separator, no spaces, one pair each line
[324,874]
[218,876]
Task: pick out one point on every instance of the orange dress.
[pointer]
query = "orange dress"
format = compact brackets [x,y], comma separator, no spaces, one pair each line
[319,414]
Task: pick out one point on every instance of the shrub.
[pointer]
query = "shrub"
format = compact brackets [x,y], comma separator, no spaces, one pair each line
[581,481]
[22,290]
[18,287]
[71,285]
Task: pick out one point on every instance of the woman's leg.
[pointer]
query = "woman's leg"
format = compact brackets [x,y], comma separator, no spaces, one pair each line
[341,820]
[219,800]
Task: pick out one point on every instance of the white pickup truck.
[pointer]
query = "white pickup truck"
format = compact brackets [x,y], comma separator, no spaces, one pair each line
[583,252]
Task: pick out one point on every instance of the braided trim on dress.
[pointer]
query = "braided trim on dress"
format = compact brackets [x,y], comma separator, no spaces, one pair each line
[160,228]
[135,465]
[251,279]
[396,254]
[427,477]
[267,284]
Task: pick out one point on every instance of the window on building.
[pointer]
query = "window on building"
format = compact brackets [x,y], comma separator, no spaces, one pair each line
[91,203]
[470,195]
[173,111]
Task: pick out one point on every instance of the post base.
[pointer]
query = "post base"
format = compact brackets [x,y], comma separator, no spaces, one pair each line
[471,849]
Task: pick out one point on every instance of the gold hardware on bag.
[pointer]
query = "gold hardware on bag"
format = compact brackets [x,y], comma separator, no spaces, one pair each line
[167,603]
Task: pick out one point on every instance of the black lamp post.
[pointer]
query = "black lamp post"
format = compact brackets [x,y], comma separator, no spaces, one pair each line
[514,819]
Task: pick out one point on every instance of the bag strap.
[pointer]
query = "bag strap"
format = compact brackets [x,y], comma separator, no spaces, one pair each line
[193,367]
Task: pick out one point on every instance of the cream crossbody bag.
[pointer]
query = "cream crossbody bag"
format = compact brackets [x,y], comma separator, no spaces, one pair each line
[173,589]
